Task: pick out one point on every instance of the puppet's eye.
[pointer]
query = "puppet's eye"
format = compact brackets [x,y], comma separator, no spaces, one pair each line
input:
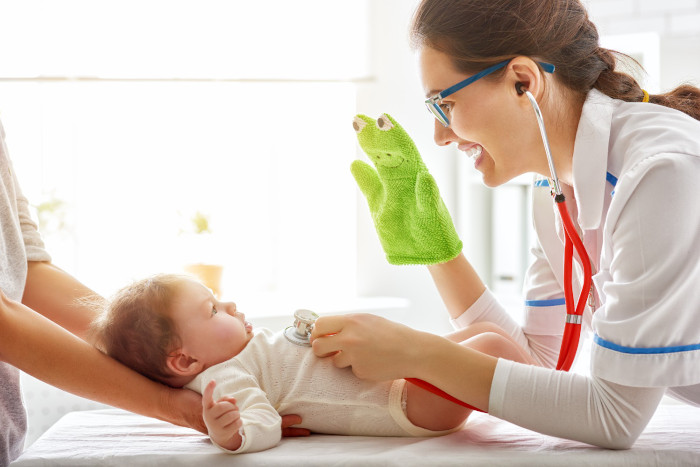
[358,124]
[384,124]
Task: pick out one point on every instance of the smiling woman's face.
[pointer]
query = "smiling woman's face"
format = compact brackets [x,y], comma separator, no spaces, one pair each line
[486,120]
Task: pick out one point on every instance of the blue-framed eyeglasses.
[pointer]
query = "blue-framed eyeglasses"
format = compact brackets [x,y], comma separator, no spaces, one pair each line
[433,103]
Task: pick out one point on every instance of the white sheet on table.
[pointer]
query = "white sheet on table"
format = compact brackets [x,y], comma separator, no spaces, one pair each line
[116,438]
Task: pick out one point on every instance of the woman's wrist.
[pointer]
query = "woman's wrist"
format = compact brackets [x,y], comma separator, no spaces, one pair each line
[423,354]
[462,372]
[458,284]
[180,407]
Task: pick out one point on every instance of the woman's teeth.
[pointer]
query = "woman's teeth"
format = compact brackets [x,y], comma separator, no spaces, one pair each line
[473,152]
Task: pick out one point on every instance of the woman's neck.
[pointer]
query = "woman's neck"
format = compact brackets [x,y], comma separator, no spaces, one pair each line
[564,122]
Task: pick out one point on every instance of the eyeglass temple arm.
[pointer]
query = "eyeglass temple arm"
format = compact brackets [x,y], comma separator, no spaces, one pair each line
[547,67]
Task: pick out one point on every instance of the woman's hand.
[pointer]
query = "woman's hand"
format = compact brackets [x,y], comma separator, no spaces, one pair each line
[376,348]
[183,407]
[289,431]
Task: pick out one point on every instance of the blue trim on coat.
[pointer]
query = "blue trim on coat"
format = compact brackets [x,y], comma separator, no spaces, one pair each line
[610,178]
[552,302]
[644,350]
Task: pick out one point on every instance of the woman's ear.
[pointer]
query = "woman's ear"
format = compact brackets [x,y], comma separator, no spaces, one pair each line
[524,75]
[182,364]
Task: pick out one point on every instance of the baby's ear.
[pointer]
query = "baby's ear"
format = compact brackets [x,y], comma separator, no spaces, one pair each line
[182,364]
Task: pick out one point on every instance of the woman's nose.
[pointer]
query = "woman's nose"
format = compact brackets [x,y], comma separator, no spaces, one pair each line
[442,135]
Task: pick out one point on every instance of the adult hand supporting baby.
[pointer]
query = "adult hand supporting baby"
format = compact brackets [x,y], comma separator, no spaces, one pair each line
[184,408]
[288,428]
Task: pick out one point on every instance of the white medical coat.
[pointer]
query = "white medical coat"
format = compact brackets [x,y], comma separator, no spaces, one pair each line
[636,200]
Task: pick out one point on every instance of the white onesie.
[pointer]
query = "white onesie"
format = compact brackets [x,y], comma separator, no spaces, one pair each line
[272,376]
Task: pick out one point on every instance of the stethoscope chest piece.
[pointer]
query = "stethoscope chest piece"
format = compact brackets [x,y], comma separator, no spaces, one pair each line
[301,330]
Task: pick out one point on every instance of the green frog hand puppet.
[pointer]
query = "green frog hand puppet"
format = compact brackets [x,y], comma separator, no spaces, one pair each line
[411,219]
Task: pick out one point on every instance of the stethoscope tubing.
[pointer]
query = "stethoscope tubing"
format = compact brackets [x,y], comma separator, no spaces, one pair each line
[574,310]
[572,328]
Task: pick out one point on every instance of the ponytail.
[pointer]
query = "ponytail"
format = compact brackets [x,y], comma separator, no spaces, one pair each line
[685,98]
[619,85]
[479,33]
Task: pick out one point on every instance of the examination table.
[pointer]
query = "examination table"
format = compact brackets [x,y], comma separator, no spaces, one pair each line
[112,437]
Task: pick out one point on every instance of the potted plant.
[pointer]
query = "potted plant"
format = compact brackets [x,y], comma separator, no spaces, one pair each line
[201,246]
[51,215]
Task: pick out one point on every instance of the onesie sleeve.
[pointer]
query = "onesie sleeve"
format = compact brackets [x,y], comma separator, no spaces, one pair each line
[262,425]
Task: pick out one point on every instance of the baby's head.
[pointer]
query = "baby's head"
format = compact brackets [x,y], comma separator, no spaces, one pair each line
[170,328]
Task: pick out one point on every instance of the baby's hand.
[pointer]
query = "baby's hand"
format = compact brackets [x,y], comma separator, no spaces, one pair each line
[223,419]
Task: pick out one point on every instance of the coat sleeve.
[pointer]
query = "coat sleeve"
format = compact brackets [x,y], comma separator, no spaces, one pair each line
[544,309]
[571,405]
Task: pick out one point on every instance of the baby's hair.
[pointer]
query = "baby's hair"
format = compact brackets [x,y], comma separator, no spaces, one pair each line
[136,328]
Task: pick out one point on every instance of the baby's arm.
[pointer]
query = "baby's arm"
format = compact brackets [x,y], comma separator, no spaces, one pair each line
[260,425]
[223,419]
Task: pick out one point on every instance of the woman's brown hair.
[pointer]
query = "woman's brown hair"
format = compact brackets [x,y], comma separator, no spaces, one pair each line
[480,33]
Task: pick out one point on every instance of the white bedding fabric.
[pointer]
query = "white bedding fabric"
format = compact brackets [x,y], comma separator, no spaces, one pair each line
[114,437]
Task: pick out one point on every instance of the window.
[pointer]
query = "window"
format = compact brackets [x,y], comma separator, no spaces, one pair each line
[138,114]
[645,49]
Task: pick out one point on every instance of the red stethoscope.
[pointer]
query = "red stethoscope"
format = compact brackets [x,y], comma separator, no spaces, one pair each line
[574,312]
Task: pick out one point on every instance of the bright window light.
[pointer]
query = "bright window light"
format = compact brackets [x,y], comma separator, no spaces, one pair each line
[134,116]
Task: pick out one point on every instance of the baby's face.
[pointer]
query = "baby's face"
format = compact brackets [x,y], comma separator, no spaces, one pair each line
[211,331]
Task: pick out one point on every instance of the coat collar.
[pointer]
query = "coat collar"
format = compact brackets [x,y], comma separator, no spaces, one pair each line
[591,158]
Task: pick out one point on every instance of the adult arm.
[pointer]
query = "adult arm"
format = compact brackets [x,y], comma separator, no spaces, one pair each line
[572,406]
[48,352]
[61,298]
[458,284]
[560,404]
[376,349]
[468,302]
[467,299]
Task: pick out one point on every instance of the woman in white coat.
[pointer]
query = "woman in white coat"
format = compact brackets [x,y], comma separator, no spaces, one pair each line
[629,164]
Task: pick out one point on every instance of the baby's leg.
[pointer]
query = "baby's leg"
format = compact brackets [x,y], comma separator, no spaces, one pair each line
[482,336]
[428,410]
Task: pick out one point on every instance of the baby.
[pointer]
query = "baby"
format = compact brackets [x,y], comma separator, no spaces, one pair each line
[172,329]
